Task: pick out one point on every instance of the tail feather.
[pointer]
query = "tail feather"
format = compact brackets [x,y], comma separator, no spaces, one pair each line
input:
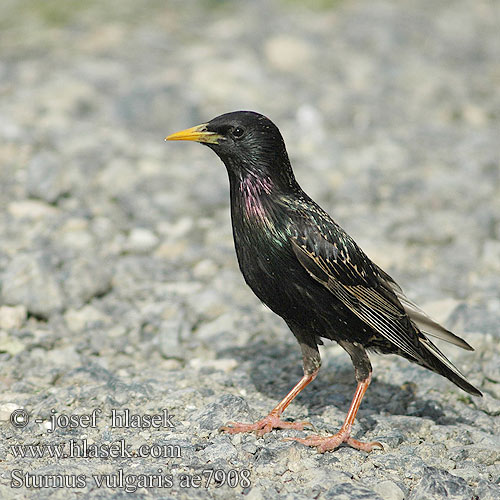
[429,326]
[439,363]
[422,319]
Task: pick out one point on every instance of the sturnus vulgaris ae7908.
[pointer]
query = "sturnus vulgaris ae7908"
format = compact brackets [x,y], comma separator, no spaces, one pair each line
[309,271]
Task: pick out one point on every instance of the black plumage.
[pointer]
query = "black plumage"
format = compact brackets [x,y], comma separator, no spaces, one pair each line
[309,271]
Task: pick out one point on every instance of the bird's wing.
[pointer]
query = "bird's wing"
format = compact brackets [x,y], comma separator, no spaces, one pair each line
[332,258]
[343,268]
[421,319]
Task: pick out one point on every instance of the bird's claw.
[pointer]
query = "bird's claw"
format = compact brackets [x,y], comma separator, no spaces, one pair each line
[329,443]
[263,426]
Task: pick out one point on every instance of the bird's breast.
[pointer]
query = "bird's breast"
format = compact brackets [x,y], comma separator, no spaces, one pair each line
[265,257]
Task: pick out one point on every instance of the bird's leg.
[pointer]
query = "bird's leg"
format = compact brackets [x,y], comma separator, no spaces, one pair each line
[363,370]
[328,443]
[273,420]
[312,363]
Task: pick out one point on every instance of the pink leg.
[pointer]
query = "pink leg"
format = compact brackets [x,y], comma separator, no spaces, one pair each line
[329,443]
[273,420]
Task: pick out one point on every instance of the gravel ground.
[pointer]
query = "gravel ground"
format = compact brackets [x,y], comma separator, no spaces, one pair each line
[119,284]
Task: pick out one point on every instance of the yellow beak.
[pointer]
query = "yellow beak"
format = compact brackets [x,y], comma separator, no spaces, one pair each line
[198,134]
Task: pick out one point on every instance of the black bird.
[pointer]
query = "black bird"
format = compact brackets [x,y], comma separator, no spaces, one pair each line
[309,271]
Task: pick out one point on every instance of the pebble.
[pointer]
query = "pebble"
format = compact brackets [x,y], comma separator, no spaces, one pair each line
[437,484]
[141,240]
[10,344]
[389,490]
[6,410]
[80,319]
[29,280]
[12,317]
[47,176]
[31,209]
[86,278]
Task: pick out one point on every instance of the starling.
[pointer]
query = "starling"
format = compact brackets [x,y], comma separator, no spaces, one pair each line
[309,271]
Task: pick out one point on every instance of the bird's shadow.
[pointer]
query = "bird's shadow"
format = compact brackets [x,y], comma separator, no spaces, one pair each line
[275,367]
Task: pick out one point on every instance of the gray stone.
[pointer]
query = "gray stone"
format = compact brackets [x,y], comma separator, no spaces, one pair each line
[47,176]
[219,449]
[486,490]
[12,317]
[221,326]
[86,278]
[389,490]
[31,209]
[437,484]
[226,408]
[141,240]
[85,317]
[10,344]
[173,330]
[31,281]
[348,491]
[6,410]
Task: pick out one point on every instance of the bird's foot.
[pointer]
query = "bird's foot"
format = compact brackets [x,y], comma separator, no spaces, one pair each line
[272,421]
[330,443]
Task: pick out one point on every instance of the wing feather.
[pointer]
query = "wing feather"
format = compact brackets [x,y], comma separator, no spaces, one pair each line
[333,259]
[375,306]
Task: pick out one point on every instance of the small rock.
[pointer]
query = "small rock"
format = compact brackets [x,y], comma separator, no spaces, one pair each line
[141,240]
[208,305]
[213,330]
[10,344]
[324,477]
[174,328]
[350,491]
[484,455]
[438,484]
[391,440]
[47,177]
[29,280]
[12,317]
[486,490]
[86,278]
[389,490]
[205,269]
[171,250]
[6,410]
[219,449]
[488,404]
[77,320]
[31,209]
[226,408]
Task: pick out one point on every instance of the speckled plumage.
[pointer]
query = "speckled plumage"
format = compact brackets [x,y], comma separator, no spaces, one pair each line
[308,270]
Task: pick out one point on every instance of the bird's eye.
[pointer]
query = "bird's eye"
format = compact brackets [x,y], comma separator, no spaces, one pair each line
[238,132]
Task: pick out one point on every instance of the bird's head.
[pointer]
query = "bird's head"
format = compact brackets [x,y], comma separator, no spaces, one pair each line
[247,142]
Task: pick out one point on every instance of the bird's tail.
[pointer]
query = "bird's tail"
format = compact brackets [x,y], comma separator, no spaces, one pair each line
[439,363]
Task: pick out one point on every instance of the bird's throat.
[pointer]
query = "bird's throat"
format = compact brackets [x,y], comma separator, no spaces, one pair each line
[253,192]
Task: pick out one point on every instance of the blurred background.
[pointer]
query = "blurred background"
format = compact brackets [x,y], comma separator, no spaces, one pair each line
[116,253]
[390,110]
